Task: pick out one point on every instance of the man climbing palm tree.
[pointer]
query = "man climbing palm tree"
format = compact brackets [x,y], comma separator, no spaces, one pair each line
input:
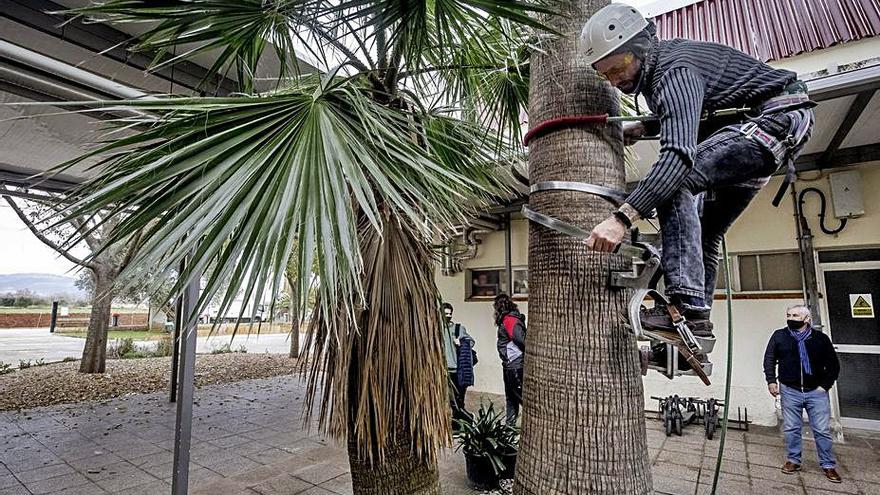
[719,174]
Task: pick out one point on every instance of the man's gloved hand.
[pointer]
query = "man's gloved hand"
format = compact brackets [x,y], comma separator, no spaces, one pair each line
[773,388]
[607,235]
[632,131]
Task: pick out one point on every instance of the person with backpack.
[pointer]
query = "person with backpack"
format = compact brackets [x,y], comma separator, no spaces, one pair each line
[511,348]
[460,357]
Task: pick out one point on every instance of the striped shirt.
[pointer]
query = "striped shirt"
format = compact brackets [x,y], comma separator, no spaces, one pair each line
[680,80]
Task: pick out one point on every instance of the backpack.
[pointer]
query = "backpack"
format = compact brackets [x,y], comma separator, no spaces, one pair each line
[474,359]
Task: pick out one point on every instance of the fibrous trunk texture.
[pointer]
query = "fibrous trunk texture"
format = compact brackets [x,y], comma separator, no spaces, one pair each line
[583,429]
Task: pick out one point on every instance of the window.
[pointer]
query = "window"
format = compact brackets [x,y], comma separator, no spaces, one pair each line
[769,272]
[491,282]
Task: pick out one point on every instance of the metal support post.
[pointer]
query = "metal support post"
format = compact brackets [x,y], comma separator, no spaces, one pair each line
[183,426]
[175,347]
[508,263]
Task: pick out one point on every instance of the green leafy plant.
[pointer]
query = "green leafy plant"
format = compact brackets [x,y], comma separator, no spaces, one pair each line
[23,365]
[5,368]
[486,434]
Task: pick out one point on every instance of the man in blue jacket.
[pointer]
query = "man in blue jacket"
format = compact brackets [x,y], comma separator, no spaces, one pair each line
[807,369]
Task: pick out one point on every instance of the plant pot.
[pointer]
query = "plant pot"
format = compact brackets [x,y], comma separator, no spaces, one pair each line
[479,472]
[509,461]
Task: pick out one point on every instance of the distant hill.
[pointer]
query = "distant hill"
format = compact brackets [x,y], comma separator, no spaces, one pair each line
[43,284]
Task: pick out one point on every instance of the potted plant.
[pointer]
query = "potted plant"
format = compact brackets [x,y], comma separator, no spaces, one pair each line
[489,445]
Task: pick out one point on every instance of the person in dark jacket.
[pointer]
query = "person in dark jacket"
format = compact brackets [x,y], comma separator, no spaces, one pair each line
[511,348]
[460,372]
[705,175]
[807,369]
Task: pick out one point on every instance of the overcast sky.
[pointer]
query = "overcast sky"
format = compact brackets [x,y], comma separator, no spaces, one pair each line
[21,252]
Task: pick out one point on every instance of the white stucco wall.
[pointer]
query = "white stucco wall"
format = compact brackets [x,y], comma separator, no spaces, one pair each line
[761,228]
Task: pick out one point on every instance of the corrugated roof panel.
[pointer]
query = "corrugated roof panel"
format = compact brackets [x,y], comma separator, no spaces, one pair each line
[773,29]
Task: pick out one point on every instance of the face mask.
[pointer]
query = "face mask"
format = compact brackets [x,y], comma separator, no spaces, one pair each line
[795,324]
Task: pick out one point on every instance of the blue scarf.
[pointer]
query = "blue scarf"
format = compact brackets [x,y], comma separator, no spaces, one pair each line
[801,338]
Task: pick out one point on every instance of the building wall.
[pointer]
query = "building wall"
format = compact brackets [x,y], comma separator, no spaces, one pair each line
[761,228]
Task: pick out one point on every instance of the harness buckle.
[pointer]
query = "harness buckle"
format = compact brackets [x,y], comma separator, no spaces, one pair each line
[749,129]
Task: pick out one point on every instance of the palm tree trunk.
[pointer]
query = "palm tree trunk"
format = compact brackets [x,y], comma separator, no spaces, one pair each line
[94,357]
[401,473]
[583,429]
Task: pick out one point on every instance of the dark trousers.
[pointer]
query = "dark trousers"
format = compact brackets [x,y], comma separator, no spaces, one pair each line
[733,168]
[513,379]
[456,397]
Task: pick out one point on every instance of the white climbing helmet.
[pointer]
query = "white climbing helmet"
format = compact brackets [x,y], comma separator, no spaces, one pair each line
[608,29]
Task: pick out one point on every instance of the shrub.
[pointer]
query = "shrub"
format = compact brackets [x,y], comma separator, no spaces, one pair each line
[23,365]
[163,347]
[5,368]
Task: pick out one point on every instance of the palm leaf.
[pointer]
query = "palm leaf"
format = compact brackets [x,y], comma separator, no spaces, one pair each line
[235,180]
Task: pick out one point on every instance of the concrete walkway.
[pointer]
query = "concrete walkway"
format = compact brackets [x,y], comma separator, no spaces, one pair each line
[248,440]
[23,344]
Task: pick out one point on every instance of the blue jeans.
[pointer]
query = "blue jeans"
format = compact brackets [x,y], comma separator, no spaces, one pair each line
[728,172]
[819,411]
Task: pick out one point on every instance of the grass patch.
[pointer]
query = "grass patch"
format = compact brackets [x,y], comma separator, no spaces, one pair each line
[117,334]
[48,309]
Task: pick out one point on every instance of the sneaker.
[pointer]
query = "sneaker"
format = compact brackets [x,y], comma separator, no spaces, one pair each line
[791,468]
[657,318]
[832,475]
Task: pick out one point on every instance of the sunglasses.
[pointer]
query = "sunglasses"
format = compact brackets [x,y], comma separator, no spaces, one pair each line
[615,71]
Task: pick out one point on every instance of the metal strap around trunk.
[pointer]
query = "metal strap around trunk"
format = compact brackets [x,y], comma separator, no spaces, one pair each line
[576,232]
[614,196]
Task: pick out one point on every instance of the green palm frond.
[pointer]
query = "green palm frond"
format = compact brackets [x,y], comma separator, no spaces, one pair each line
[237,179]
[240,30]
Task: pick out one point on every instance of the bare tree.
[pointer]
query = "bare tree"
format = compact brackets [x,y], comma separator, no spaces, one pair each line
[103,266]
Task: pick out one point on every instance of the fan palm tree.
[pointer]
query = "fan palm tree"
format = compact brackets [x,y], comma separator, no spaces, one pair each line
[358,169]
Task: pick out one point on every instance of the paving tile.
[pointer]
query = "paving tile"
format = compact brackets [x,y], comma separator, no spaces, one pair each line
[686,473]
[340,485]
[727,466]
[673,486]
[58,483]
[232,466]
[125,480]
[8,480]
[14,490]
[89,489]
[665,457]
[817,480]
[726,487]
[152,488]
[269,456]
[282,485]
[767,487]
[44,473]
[319,473]
[317,490]
[259,474]
[773,474]
[707,477]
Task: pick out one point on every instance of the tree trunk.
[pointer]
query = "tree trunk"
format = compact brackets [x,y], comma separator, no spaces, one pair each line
[294,318]
[94,358]
[402,473]
[583,428]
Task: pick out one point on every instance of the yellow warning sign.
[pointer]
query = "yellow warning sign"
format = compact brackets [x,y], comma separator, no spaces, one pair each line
[862,305]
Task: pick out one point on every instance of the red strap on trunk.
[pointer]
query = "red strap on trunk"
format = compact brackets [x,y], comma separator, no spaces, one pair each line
[557,123]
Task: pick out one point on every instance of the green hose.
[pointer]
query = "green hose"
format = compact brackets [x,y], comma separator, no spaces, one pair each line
[729,362]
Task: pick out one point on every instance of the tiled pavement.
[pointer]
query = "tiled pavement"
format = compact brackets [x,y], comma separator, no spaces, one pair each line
[248,439]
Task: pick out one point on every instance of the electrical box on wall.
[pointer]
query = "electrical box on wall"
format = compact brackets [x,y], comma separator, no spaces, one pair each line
[846,194]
